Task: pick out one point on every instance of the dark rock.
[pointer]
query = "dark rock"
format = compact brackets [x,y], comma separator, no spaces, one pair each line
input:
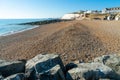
[106,79]
[42,63]
[54,73]
[113,61]
[1,77]
[90,71]
[43,22]
[70,66]
[8,68]
[50,67]
[18,76]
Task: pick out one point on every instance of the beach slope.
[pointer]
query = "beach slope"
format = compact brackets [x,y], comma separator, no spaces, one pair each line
[73,40]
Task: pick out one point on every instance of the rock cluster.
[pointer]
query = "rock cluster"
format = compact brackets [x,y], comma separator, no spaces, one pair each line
[44,22]
[50,67]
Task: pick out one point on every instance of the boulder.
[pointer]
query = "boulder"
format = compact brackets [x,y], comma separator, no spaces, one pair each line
[8,68]
[18,76]
[70,66]
[106,79]
[113,61]
[90,71]
[103,59]
[1,77]
[55,73]
[42,63]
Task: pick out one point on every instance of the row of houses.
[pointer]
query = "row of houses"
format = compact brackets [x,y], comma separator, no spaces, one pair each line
[112,14]
[111,10]
[106,10]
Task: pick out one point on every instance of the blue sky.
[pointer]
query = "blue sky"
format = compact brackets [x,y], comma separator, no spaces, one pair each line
[50,8]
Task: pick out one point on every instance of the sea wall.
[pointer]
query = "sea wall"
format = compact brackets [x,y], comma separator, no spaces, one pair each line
[50,67]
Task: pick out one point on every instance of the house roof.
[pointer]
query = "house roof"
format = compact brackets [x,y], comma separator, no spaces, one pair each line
[113,8]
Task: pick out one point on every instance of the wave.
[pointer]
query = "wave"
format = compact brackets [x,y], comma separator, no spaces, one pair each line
[8,26]
[9,32]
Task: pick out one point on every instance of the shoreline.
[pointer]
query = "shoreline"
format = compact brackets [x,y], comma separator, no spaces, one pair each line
[34,24]
[14,40]
[15,32]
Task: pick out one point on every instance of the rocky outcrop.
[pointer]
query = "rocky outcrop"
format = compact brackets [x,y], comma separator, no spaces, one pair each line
[113,61]
[50,67]
[42,65]
[18,76]
[54,73]
[43,22]
[8,68]
[90,71]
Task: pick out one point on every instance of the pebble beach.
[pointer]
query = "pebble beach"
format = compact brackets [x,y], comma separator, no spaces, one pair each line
[72,40]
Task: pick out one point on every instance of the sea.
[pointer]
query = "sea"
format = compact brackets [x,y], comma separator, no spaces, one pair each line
[10,26]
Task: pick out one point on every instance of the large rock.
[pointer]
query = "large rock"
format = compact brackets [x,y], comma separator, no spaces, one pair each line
[103,59]
[106,79]
[54,73]
[18,76]
[43,63]
[90,71]
[70,66]
[113,61]
[8,68]
[1,77]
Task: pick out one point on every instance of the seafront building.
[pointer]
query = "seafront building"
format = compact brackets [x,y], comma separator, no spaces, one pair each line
[111,10]
[105,14]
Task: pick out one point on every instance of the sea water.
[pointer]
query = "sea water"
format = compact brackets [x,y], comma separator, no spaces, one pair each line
[10,26]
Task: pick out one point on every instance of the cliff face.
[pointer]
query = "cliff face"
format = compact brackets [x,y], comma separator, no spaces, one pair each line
[70,16]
